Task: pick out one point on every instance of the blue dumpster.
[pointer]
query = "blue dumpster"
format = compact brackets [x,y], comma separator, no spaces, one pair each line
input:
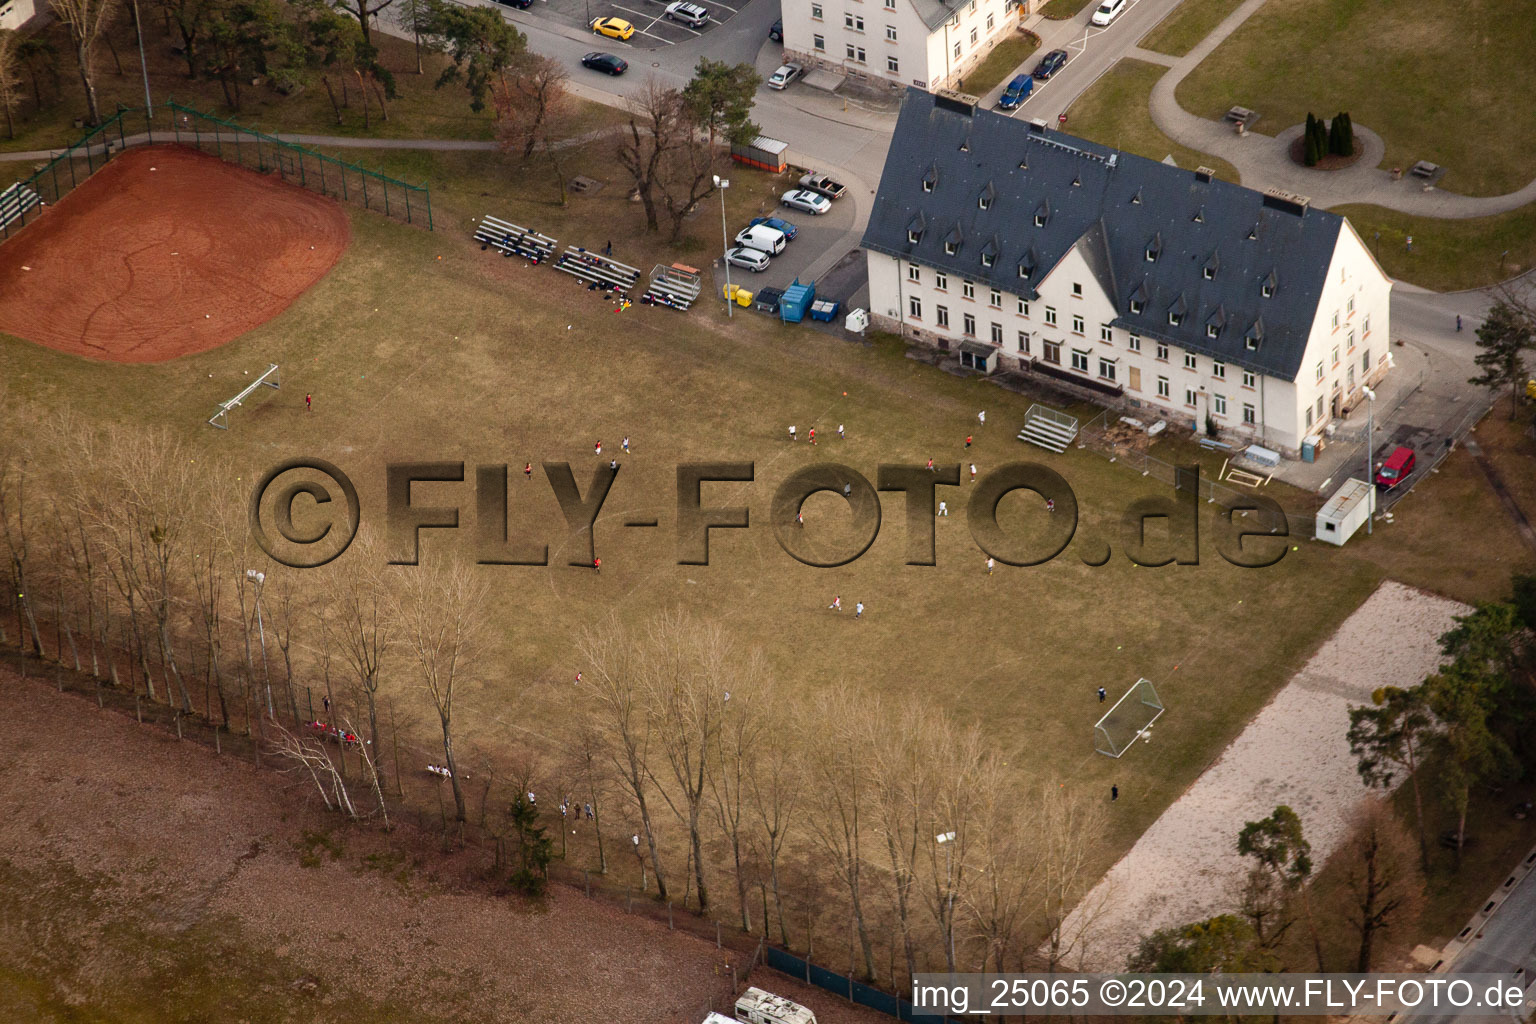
[796,302]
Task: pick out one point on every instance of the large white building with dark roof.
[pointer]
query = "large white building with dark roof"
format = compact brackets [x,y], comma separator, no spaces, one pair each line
[1165,290]
[932,44]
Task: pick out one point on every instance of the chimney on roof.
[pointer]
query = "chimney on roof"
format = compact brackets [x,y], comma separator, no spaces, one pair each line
[1204,174]
[959,102]
[1289,202]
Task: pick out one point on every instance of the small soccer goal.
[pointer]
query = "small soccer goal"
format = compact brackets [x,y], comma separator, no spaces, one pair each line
[1129,720]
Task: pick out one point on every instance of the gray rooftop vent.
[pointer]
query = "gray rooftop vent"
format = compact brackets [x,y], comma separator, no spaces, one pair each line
[1289,202]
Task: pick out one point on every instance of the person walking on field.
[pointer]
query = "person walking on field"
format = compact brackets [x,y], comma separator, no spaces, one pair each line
[791,432]
[990,565]
[1102,695]
[837,604]
[967,440]
[1050,504]
[800,519]
[597,449]
[812,436]
[982,417]
[973,472]
[858,610]
[840,435]
[944,509]
[309,400]
[930,467]
[1114,793]
[528,471]
[597,564]
[625,444]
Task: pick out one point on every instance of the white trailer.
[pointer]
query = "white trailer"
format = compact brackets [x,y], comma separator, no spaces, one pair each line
[759,1007]
[1346,511]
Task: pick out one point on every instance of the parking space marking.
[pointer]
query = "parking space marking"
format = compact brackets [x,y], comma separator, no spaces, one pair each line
[645,31]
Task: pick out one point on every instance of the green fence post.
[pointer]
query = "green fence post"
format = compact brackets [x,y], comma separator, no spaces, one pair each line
[429,207]
[386,197]
[365,189]
[408,205]
[218,141]
[343,167]
[122,140]
[323,190]
[72,181]
[197,134]
[302,179]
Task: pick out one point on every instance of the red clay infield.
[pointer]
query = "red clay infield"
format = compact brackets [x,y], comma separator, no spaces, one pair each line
[163,252]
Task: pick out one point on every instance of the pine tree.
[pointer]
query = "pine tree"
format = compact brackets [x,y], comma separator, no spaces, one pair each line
[1504,339]
[1347,136]
[1309,148]
[1335,130]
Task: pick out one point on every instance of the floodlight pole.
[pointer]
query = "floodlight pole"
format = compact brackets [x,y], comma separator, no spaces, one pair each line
[1370,458]
[947,840]
[721,184]
[258,578]
[138,31]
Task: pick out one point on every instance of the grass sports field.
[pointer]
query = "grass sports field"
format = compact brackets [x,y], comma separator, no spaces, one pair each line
[419,346]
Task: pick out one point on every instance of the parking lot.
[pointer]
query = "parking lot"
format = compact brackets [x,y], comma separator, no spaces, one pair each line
[816,235]
[652,28]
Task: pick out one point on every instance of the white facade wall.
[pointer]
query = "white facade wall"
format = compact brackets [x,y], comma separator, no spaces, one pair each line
[1160,379]
[16,13]
[855,37]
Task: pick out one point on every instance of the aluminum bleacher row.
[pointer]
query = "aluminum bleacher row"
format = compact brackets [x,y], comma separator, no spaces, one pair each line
[15,202]
[597,269]
[677,286]
[512,240]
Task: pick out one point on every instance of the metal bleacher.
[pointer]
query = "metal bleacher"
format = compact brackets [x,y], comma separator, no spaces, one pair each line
[1049,429]
[597,269]
[677,286]
[512,240]
[15,202]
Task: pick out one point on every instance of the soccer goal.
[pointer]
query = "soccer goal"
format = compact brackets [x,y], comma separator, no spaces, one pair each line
[1130,719]
[270,378]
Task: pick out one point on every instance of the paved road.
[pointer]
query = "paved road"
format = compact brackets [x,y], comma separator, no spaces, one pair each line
[1505,943]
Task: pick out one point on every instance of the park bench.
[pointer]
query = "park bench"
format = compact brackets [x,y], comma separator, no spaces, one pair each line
[15,202]
[677,286]
[1241,115]
[512,240]
[596,269]
[1425,169]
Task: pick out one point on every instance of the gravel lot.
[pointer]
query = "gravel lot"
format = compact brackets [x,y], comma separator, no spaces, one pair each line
[1185,867]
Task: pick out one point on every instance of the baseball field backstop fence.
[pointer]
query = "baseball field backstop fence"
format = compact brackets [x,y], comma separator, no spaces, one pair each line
[259,151]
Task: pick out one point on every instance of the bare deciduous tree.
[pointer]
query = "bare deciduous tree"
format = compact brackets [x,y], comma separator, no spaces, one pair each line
[1383,876]
[10,79]
[443,627]
[839,799]
[307,754]
[1070,829]
[86,20]
[533,111]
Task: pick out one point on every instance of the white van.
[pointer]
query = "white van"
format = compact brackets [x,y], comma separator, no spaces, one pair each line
[763,238]
[758,1007]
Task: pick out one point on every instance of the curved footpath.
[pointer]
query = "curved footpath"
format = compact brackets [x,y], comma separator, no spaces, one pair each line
[1265,162]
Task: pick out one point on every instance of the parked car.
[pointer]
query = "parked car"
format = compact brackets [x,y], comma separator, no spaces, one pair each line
[1396,469]
[762,238]
[823,184]
[1108,11]
[521,5]
[689,14]
[790,231]
[776,33]
[613,28]
[753,259]
[1050,64]
[787,73]
[605,62]
[1017,92]
[806,201]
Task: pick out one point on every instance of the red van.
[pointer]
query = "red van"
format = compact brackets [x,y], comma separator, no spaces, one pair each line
[1396,469]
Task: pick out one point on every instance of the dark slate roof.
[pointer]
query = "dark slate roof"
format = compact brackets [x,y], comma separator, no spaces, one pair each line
[936,12]
[1117,205]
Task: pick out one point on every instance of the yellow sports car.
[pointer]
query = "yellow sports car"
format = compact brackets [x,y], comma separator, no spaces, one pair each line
[613,28]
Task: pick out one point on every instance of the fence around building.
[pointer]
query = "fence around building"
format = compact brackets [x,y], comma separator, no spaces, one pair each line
[229,141]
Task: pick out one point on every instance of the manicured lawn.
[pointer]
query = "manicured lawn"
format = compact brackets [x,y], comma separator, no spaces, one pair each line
[1001,62]
[1437,81]
[1448,255]
[1186,25]
[1114,112]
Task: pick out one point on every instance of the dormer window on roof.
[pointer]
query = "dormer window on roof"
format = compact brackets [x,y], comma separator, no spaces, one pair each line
[1199,217]
[1255,336]
[952,241]
[1077,181]
[915,228]
[1136,199]
[931,178]
[1027,264]
[1155,247]
[1217,321]
[1139,298]
[1211,266]
[1267,289]
[1177,311]
[1253,232]
[988,194]
[1042,213]
[965,144]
